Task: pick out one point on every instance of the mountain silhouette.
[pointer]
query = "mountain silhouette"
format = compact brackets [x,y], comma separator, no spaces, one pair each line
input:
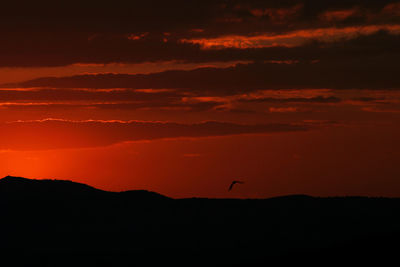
[19,187]
[63,223]
[14,186]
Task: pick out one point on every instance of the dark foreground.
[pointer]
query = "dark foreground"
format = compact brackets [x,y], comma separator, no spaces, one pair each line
[60,223]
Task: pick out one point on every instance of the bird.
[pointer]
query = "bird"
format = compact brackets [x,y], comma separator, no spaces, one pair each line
[233,183]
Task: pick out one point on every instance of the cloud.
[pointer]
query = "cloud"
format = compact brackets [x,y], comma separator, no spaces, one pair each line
[145,16]
[283,110]
[392,9]
[276,15]
[317,99]
[292,39]
[62,134]
[340,15]
[182,106]
[301,44]
[151,99]
[42,34]
[62,95]
[124,99]
[354,72]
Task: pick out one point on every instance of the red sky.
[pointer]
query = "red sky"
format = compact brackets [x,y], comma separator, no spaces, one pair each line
[293,97]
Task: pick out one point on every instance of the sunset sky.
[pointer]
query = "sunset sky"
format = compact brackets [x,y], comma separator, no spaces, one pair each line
[182,97]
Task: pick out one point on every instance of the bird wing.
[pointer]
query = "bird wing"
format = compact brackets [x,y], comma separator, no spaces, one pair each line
[230,187]
[233,183]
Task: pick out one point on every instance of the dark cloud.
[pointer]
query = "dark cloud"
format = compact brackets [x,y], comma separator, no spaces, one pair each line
[114,99]
[61,134]
[378,72]
[165,16]
[29,50]
[86,95]
[47,34]
[163,105]
[317,99]
[367,99]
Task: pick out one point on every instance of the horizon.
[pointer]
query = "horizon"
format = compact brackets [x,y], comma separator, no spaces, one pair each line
[8,177]
[182,98]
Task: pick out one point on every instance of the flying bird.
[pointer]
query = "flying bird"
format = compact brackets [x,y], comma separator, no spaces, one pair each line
[233,183]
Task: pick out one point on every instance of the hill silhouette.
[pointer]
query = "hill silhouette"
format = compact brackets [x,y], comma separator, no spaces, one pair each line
[62,223]
[19,187]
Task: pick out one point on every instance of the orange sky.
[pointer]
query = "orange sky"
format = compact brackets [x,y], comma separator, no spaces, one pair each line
[325,162]
[300,97]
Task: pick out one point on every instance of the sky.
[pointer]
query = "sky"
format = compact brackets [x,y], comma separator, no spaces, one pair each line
[183,97]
